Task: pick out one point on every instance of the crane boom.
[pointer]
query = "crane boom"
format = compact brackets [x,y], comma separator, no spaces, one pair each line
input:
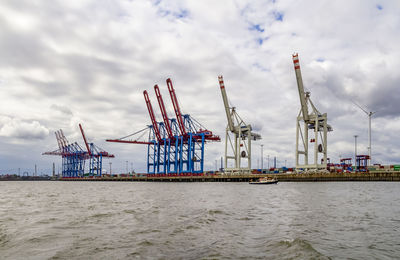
[163,112]
[152,116]
[63,139]
[60,145]
[176,107]
[226,104]
[127,141]
[85,140]
[302,94]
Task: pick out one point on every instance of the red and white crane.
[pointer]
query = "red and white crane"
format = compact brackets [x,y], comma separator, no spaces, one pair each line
[242,136]
[315,121]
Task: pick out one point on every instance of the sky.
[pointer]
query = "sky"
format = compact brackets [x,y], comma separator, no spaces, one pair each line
[69,62]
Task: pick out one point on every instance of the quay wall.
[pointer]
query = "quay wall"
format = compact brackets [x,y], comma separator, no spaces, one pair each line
[294,177]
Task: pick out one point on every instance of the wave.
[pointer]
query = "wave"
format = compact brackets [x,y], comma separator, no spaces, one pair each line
[295,249]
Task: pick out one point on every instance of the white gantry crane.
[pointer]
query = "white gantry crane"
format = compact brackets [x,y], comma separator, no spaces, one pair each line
[314,121]
[241,135]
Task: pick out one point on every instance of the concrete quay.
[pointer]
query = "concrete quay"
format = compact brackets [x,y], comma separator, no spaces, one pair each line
[293,177]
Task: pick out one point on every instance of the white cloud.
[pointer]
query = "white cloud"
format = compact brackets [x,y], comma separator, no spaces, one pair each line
[15,128]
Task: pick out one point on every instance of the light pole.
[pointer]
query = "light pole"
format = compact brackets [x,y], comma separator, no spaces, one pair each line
[268,162]
[262,161]
[126,167]
[110,167]
[355,152]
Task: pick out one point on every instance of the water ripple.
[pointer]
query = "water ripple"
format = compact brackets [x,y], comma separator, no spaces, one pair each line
[83,220]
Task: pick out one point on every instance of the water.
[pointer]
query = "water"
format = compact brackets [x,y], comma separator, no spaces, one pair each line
[108,220]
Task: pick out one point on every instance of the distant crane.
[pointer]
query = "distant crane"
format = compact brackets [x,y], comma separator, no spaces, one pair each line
[241,132]
[73,156]
[369,114]
[311,121]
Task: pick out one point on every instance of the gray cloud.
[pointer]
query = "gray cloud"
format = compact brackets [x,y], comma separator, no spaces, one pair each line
[62,109]
[70,62]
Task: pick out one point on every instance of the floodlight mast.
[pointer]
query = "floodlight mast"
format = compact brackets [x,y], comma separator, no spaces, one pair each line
[311,121]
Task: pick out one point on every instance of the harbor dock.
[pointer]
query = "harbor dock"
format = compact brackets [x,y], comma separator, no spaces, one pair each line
[294,177]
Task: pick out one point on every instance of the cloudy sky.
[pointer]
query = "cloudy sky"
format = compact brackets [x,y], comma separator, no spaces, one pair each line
[69,62]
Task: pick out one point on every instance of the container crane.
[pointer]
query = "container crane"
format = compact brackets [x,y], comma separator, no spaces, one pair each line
[176,145]
[314,121]
[73,156]
[241,132]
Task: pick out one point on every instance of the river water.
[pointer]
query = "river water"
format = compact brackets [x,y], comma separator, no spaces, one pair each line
[133,220]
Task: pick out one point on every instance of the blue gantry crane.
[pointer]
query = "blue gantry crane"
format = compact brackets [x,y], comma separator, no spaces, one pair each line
[175,146]
[74,157]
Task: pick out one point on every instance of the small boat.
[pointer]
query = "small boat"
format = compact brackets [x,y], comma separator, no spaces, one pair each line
[265,181]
